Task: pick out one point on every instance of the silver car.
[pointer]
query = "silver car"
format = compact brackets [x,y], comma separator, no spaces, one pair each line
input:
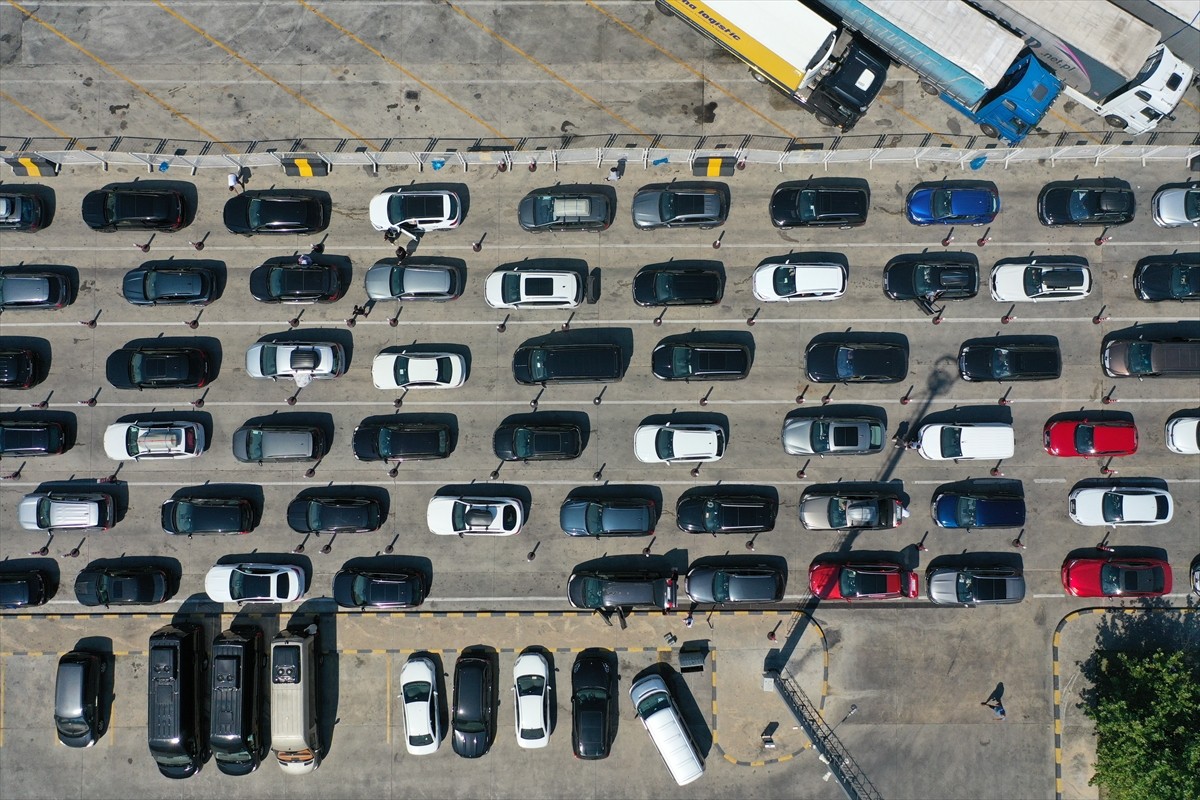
[413,280]
[833,436]
[1176,206]
[975,586]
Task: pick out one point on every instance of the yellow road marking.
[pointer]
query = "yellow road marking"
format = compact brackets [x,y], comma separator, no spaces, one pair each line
[167,106]
[693,70]
[546,69]
[35,115]
[261,72]
[374,50]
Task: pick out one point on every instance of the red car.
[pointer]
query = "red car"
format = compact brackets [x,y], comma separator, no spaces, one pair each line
[881,580]
[1113,576]
[1088,439]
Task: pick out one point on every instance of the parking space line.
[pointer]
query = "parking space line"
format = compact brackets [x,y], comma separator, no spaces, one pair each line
[295,94]
[545,69]
[35,115]
[388,697]
[390,62]
[2,702]
[695,71]
[174,112]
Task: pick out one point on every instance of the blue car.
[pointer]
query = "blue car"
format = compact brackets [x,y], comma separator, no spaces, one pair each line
[953,203]
[985,509]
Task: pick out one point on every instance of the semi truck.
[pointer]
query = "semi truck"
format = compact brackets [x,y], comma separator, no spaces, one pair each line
[1177,22]
[972,63]
[793,49]
[1109,61]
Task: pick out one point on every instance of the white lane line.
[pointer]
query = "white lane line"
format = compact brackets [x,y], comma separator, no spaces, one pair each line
[713,401]
[583,323]
[592,245]
[1065,596]
[1049,480]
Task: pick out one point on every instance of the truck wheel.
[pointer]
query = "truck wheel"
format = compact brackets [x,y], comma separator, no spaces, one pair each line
[825,119]
[1116,122]
[758,76]
[989,131]
[929,88]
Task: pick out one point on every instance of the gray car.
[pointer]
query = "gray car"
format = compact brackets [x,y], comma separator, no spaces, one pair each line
[680,206]
[758,583]
[560,208]
[264,443]
[974,586]
[833,436]
[21,290]
[413,280]
[623,516]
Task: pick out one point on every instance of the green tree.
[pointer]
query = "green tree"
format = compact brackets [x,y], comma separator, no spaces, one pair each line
[1146,707]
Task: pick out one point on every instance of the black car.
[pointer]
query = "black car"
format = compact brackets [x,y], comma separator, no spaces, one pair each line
[1009,359]
[169,283]
[607,516]
[19,368]
[593,694]
[566,208]
[287,281]
[735,584]
[158,368]
[22,289]
[31,436]
[402,441]
[188,515]
[600,589]
[472,712]
[846,361]
[683,361]
[1168,278]
[680,205]
[568,363]
[121,586]
[677,284]
[24,589]
[320,513]
[133,208]
[1089,201]
[21,211]
[356,588]
[717,511]
[937,277]
[821,203]
[537,442]
[277,212]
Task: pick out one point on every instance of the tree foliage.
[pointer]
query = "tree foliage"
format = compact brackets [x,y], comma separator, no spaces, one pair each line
[1146,708]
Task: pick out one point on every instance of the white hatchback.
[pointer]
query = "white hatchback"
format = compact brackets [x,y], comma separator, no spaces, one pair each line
[531,700]
[1183,435]
[414,207]
[254,583]
[1041,280]
[969,441]
[475,516]
[675,444]
[1111,506]
[410,370]
[134,441]
[788,281]
[422,718]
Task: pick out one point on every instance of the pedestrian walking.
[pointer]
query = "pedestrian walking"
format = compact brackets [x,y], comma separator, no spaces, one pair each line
[234,180]
[688,621]
[401,253]
[305,260]
[998,712]
[391,235]
[614,174]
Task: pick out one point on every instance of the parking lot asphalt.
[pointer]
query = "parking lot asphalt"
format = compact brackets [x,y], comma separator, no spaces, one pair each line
[915,673]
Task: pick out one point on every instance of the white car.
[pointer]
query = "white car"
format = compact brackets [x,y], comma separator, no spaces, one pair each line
[1120,505]
[414,207]
[134,441]
[1177,206]
[533,288]
[531,700]
[475,516]
[302,362]
[422,718]
[254,583]
[673,444]
[787,282]
[1183,435]
[1041,280]
[969,441]
[410,370]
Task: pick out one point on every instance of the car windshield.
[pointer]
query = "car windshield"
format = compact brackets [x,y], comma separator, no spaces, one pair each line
[652,704]
[417,692]
[1139,357]
[839,508]
[242,584]
[523,443]
[593,593]
[1085,438]
[940,204]
[854,583]
[664,444]
[510,288]
[183,517]
[254,213]
[712,515]
[254,445]
[965,587]
[820,437]
[966,511]
[664,285]
[1033,281]
[845,362]
[358,593]
[1002,366]
[594,518]
[666,206]
[681,361]
[400,370]
[1185,279]
[923,280]
[530,685]
[1120,579]
[1112,507]
[589,694]
[316,516]
[720,587]
[275,281]
[74,726]
[268,364]
[537,365]
[43,512]
[137,368]
[1082,203]
[785,281]
[951,442]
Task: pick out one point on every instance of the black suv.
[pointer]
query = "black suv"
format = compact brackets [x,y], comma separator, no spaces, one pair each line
[133,208]
[717,511]
[395,441]
[537,442]
[177,667]
[567,363]
[821,203]
[600,589]
[566,208]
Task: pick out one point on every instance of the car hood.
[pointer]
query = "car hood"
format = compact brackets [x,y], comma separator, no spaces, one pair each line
[470,744]
[646,208]
[93,209]
[943,587]
[572,517]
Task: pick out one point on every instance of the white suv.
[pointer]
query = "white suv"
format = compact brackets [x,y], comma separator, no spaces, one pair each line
[533,288]
[134,441]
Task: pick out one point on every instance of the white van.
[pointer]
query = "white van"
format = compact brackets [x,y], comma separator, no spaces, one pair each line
[969,441]
[656,709]
[295,738]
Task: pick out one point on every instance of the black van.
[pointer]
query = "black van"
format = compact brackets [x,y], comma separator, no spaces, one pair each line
[175,703]
[238,658]
[567,363]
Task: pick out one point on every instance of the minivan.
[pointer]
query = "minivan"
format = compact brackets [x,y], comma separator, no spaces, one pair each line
[234,736]
[174,703]
[471,725]
[77,715]
[270,443]
[295,737]
[656,709]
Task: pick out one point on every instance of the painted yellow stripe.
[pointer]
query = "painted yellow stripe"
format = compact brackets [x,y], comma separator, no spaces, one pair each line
[174,112]
[714,167]
[696,72]
[57,130]
[758,763]
[1058,727]
[785,757]
[1056,669]
[392,63]
[30,166]
[714,707]
[1057,696]
[262,72]
[546,69]
[304,168]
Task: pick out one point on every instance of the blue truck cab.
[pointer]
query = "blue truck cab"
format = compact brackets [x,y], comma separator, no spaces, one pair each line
[1015,106]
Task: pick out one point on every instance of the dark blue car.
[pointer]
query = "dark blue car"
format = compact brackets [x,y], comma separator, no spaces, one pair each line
[953,203]
[969,509]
